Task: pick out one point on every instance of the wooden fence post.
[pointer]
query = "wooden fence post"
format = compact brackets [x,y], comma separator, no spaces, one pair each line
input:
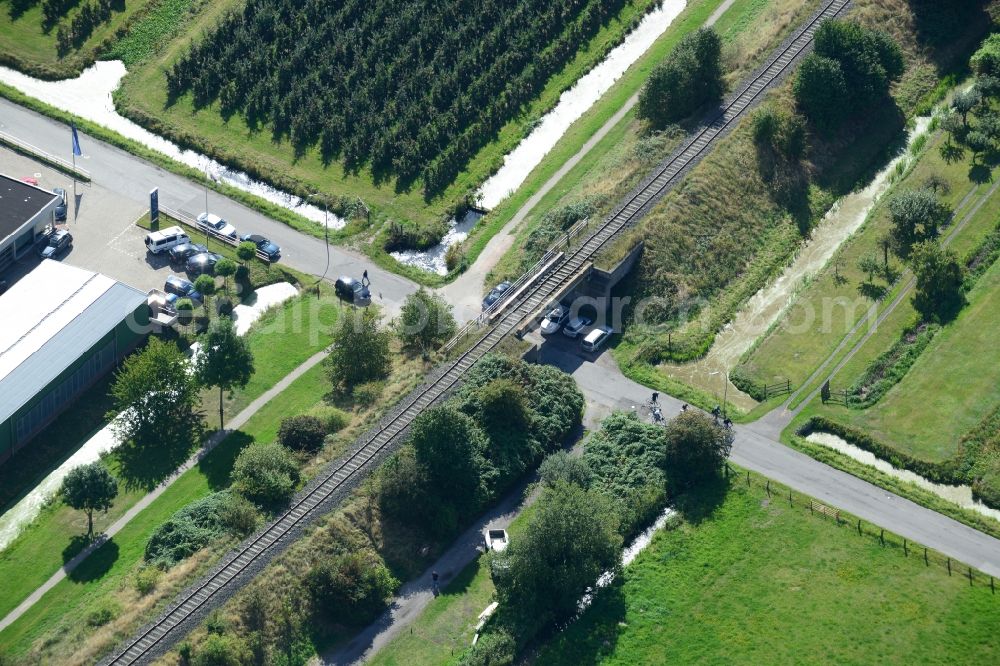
[748,478]
[970,576]
[769,488]
[906,553]
[949,566]
[881,537]
[859,527]
[926,562]
[789,497]
[992,589]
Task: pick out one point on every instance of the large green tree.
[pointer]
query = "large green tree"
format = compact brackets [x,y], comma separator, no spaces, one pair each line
[89,488]
[571,538]
[689,77]
[450,446]
[938,292]
[850,70]
[360,350]
[224,360]
[425,322]
[154,395]
[697,448]
[916,215]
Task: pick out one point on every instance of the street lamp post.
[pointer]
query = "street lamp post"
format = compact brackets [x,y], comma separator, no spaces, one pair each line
[326,237]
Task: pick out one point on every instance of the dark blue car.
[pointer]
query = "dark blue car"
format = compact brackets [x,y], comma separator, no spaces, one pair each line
[271,250]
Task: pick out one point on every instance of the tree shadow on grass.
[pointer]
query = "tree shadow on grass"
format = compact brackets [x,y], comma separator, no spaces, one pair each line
[871,291]
[143,468]
[98,564]
[980,174]
[700,503]
[217,465]
[591,636]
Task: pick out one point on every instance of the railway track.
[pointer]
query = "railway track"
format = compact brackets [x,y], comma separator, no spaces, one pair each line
[251,556]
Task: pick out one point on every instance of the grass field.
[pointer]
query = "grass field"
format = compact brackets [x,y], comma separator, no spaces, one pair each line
[830,305]
[949,389]
[26,44]
[106,576]
[759,582]
[284,338]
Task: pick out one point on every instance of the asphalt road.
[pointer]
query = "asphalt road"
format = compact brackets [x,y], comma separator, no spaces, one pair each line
[604,385]
[132,178]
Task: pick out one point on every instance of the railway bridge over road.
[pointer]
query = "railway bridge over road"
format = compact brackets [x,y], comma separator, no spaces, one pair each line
[331,486]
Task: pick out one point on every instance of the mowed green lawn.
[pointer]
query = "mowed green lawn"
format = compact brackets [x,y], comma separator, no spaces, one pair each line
[283,339]
[829,306]
[60,616]
[953,384]
[757,582]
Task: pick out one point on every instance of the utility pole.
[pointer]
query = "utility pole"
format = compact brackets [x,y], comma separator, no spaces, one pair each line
[326,236]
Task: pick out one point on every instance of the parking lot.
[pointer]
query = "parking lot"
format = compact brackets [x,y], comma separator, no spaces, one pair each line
[105,238]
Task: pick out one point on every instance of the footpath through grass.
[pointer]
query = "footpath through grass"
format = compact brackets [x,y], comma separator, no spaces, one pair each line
[831,304]
[756,581]
[281,340]
[952,385]
[61,615]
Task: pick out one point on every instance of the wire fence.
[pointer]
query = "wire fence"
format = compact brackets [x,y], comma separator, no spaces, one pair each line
[906,548]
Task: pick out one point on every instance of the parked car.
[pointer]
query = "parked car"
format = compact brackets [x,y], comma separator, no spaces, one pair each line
[264,245]
[181,253]
[216,224]
[203,262]
[596,339]
[576,326]
[554,320]
[166,239]
[58,242]
[352,291]
[495,294]
[61,206]
[497,540]
[178,287]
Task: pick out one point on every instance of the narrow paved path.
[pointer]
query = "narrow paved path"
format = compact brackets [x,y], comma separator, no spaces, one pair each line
[603,383]
[607,390]
[235,424]
[467,291]
[775,421]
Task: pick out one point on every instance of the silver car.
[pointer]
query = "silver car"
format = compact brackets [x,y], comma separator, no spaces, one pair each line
[576,326]
[596,339]
[554,320]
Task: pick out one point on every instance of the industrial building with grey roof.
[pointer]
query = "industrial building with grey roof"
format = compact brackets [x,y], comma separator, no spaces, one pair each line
[63,329]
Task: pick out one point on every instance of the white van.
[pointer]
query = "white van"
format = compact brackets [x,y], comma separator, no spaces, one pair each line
[161,241]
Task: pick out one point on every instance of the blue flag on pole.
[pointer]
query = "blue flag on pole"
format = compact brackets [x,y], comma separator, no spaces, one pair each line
[76,142]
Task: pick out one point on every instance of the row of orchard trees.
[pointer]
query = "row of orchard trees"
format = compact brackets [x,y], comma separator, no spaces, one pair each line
[411,88]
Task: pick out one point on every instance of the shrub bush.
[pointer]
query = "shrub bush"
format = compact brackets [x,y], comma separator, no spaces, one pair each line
[302,433]
[146,579]
[351,588]
[563,467]
[333,419]
[494,648]
[689,77]
[222,651]
[265,473]
[190,529]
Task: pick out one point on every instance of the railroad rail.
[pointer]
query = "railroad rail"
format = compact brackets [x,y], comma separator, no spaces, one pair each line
[340,476]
